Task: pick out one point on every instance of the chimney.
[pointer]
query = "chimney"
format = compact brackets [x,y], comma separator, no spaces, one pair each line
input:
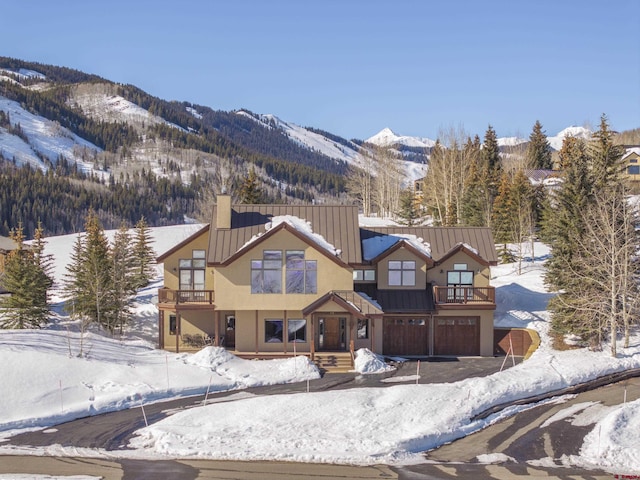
[223,216]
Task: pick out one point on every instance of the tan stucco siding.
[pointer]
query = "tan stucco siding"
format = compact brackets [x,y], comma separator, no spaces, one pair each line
[399,255]
[486,327]
[481,273]
[233,283]
[633,159]
[247,326]
[172,263]
[374,342]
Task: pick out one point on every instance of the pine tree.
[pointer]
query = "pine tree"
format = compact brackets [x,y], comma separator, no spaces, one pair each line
[89,275]
[28,277]
[409,213]
[539,149]
[124,275]
[605,156]
[250,192]
[144,256]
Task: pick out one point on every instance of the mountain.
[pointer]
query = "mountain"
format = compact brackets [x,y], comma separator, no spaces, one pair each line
[386,137]
[579,132]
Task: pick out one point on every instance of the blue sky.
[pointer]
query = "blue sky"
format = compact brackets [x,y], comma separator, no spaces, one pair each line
[354,67]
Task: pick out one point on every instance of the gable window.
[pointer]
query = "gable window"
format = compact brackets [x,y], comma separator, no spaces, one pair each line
[266,274]
[402,273]
[302,275]
[633,169]
[192,271]
[273,330]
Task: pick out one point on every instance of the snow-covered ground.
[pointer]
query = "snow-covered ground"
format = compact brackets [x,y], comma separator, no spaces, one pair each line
[45,382]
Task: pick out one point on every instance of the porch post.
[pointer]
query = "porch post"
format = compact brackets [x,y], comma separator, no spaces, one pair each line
[178,322]
[285,331]
[313,338]
[256,332]
[372,334]
[160,328]
[216,328]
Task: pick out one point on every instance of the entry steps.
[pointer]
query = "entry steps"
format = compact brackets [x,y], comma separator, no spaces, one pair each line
[333,362]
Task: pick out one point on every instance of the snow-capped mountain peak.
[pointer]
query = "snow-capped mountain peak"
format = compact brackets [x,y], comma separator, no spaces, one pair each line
[387,137]
[572,131]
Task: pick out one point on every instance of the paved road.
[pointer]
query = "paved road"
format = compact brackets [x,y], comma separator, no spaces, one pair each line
[521,437]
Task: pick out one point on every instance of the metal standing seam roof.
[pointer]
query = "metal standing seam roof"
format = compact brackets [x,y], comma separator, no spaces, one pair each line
[337,224]
[443,239]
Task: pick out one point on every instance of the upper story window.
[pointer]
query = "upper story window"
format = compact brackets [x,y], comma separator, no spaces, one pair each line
[460,278]
[402,273]
[302,275]
[364,275]
[633,169]
[266,274]
[192,271]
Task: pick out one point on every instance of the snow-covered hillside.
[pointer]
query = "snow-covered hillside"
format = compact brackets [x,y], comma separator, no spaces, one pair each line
[306,138]
[579,132]
[45,138]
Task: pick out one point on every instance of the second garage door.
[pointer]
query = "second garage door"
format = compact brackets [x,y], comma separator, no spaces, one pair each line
[456,336]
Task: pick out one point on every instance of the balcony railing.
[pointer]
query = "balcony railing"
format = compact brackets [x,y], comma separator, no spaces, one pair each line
[176,297]
[464,295]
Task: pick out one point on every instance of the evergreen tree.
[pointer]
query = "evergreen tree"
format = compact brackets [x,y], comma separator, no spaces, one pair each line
[144,256]
[90,274]
[27,276]
[409,213]
[539,150]
[250,192]
[502,212]
[606,166]
[124,275]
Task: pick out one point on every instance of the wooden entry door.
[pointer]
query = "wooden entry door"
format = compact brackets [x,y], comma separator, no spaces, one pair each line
[332,332]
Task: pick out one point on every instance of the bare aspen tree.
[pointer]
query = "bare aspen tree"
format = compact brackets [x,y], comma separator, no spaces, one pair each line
[447,177]
[361,179]
[388,181]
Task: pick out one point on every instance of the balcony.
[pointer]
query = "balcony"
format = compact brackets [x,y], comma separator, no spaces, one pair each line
[465,297]
[185,297]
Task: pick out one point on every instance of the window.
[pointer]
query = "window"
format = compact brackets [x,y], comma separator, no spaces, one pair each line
[297,330]
[460,266]
[459,279]
[266,274]
[633,160]
[402,273]
[633,169]
[366,275]
[172,325]
[363,329]
[273,331]
[301,274]
[192,271]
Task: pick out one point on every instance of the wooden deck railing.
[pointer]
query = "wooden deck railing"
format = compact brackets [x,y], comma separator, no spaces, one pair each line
[464,295]
[166,295]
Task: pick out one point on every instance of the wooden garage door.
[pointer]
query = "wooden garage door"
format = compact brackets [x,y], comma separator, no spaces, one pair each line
[405,336]
[456,336]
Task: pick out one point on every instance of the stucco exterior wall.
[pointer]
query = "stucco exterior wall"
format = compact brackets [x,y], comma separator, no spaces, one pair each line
[233,283]
[399,255]
[172,262]
[481,273]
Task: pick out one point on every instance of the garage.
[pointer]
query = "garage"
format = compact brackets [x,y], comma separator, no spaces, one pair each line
[406,336]
[456,336]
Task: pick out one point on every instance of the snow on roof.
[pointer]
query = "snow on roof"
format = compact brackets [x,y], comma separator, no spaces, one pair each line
[374,246]
[305,228]
[630,151]
[302,226]
[470,248]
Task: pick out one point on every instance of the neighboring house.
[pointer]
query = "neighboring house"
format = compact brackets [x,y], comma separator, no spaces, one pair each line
[6,246]
[631,162]
[267,279]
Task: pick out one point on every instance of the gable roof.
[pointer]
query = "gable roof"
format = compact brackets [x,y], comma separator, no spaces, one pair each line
[337,224]
[443,239]
[186,241]
[462,247]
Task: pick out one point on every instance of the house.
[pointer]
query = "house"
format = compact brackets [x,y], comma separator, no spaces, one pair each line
[284,279]
[631,162]
[6,246]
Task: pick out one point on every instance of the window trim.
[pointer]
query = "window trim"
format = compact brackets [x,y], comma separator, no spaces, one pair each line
[405,269]
[274,339]
[259,289]
[296,339]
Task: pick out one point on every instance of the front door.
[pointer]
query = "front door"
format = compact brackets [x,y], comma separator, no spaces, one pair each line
[332,333]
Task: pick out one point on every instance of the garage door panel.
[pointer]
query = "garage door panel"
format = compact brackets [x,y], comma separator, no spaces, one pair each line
[456,336]
[406,336]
